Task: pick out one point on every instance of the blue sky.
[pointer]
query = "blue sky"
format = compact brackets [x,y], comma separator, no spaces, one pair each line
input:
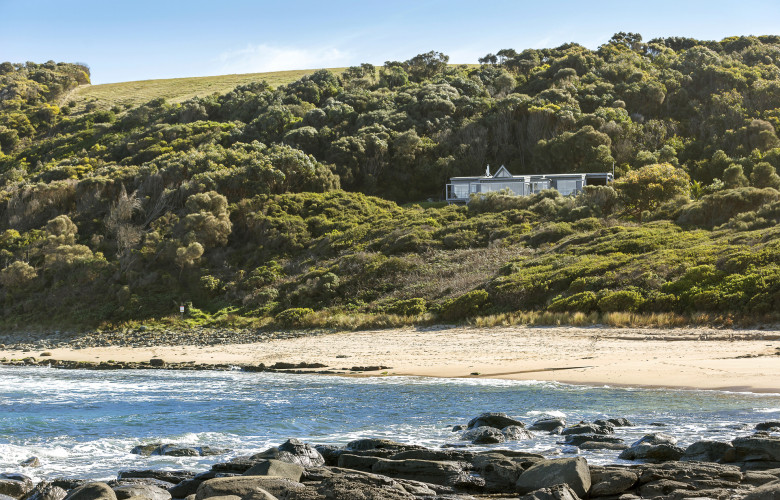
[142,39]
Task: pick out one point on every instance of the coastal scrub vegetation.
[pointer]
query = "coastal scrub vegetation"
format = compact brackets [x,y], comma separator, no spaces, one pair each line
[315,203]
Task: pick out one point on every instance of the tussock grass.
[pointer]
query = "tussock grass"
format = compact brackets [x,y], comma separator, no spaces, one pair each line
[125,94]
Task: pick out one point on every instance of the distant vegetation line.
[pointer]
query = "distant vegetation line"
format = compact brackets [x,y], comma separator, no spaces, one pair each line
[300,202]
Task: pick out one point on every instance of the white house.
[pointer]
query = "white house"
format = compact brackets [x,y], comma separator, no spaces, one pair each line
[461,188]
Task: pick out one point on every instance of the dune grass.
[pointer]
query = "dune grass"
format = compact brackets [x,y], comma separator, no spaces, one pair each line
[125,94]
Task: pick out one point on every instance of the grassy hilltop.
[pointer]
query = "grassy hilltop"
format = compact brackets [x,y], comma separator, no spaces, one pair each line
[174,90]
[304,198]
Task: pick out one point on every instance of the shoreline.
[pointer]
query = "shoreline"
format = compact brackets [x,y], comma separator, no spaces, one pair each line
[692,358]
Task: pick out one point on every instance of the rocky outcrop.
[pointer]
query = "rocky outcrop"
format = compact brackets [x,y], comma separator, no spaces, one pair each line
[276,468]
[244,485]
[450,474]
[614,422]
[573,472]
[515,433]
[172,476]
[770,491]
[146,491]
[709,451]
[46,491]
[557,492]
[293,451]
[584,428]
[757,448]
[768,425]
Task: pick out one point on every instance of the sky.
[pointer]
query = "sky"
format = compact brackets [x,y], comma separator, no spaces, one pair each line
[144,39]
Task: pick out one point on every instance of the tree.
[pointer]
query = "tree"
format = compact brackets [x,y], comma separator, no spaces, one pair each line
[17,274]
[764,175]
[734,177]
[646,188]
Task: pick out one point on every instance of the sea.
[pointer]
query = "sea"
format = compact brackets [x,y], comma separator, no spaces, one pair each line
[84,424]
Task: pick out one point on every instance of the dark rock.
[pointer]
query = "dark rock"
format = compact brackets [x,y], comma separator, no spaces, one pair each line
[170,476]
[363,486]
[578,439]
[499,471]
[515,433]
[380,444]
[329,453]
[693,473]
[755,478]
[15,485]
[595,445]
[458,428]
[663,488]
[756,448]
[587,429]
[428,471]
[497,420]
[276,468]
[68,484]
[658,424]
[655,447]
[31,462]
[483,435]
[608,481]
[174,450]
[438,455]
[765,426]
[573,472]
[156,362]
[244,485]
[46,491]
[709,451]
[619,422]
[293,451]
[141,490]
[140,481]
[92,491]
[770,491]
[185,488]
[557,492]
[357,462]
[548,424]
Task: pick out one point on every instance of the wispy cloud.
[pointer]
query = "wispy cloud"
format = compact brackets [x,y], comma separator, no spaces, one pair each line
[262,58]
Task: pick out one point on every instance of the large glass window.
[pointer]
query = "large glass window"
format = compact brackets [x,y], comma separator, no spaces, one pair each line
[567,187]
[460,191]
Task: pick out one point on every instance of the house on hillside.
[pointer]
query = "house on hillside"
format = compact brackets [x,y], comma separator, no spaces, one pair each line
[460,189]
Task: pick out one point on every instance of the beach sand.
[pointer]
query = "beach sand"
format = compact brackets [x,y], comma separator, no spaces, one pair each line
[734,360]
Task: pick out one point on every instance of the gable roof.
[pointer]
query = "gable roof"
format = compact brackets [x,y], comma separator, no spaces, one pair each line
[502,172]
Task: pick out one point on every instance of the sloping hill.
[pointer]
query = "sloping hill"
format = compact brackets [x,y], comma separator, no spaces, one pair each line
[126,94]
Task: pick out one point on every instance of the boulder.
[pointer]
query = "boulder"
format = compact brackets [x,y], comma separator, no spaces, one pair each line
[141,490]
[31,462]
[46,491]
[92,491]
[426,454]
[663,488]
[768,425]
[607,482]
[499,471]
[292,451]
[244,485]
[458,428]
[557,492]
[140,481]
[596,445]
[548,424]
[515,433]
[185,488]
[15,485]
[175,450]
[381,444]
[276,468]
[483,435]
[769,491]
[587,429]
[329,453]
[497,420]
[428,471]
[258,494]
[656,447]
[756,448]
[709,451]
[573,472]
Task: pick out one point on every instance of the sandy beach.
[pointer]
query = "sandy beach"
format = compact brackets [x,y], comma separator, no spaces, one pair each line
[734,360]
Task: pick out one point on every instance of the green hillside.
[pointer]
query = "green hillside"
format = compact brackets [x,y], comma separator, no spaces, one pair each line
[307,203]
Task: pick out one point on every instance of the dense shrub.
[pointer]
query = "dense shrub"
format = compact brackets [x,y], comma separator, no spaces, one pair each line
[408,307]
[293,317]
[467,305]
[620,301]
[579,302]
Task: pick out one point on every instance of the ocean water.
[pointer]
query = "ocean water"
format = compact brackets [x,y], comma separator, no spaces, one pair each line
[83,424]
